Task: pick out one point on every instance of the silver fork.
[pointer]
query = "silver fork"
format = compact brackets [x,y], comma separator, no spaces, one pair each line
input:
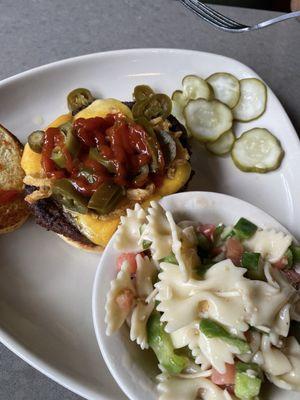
[227,24]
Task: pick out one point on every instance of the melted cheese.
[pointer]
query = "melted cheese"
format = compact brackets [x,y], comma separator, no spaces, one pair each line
[98,231]
[102,107]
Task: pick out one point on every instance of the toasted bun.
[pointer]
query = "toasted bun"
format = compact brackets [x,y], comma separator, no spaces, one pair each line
[14,213]
[82,246]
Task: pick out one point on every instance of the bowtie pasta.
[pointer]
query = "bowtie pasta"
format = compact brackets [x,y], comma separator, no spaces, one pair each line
[213,302]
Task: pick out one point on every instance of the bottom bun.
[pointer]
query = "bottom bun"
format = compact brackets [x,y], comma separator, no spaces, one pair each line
[92,248]
[13,215]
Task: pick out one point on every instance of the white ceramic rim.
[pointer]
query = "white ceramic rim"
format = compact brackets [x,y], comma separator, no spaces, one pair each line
[7,339]
[100,334]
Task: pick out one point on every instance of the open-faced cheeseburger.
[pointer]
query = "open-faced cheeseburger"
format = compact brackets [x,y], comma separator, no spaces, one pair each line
[91,164]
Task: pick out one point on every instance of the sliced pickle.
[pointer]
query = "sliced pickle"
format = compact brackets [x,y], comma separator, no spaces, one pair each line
[194,87]
[257,150]
[226,88]
[207,120]
[222,145]
[253,100]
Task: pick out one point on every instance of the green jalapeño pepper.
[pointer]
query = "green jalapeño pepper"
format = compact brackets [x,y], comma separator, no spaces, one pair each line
[79,99]
[58,157]
[36,141]
[65,193]
[142,92]
[105,199]
[71,142]
[158,105]
[152,142]
[108,164]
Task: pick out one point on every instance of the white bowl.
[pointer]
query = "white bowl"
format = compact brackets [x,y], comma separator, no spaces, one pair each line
[133,369]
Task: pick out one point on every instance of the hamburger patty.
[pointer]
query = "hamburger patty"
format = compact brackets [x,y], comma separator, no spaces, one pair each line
[50,215]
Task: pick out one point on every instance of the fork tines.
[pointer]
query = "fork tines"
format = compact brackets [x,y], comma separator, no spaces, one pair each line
[212,16]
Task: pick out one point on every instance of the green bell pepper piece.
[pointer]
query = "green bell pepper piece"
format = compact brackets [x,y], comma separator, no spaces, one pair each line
[244,229]
[246,387]
[212,329]
[161,344]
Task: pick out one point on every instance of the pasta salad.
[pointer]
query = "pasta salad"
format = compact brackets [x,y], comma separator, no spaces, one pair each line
[213,302]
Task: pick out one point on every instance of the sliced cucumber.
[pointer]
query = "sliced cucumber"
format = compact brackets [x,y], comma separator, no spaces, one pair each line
[257,150]
[223,145]
[195,87]
[226,88]
[253,100]
[179,101]
[207,120]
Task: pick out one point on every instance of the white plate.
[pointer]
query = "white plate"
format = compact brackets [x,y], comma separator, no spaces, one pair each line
[135,370]
[46,286]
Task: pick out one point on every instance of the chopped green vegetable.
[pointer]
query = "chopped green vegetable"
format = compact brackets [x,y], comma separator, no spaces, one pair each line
[105,199]
[246,387]
[146,244]
[244,367]
[202,242]
[95,155]
[296,253]
[252,261]
[142,92]
[65,193]
[79,99]
[87,173]
[169,259]
[161,344]
[36,141]
[158,105]
[203,268]
[58,157]
[244,229]
[227,233]
[218,231]
[152,142]
[213,329]
[290,258]
[71,142]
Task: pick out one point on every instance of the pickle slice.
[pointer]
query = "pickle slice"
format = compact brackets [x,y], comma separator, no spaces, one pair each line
[207,120]
[253,100]
[223,145]
[194,87]
[226,88]
[179,101]
[257,150]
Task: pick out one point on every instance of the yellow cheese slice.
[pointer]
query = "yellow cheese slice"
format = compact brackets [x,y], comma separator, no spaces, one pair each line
[100,231]
[102,107]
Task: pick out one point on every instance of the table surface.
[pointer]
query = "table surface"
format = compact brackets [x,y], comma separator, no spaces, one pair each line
[36,32]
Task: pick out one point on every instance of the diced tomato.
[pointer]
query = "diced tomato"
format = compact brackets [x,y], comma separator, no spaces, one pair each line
[234,250]
[292,276]
[208,230]
[130,258]
[281,264]
[224,379]
[125,300]
[215,251]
